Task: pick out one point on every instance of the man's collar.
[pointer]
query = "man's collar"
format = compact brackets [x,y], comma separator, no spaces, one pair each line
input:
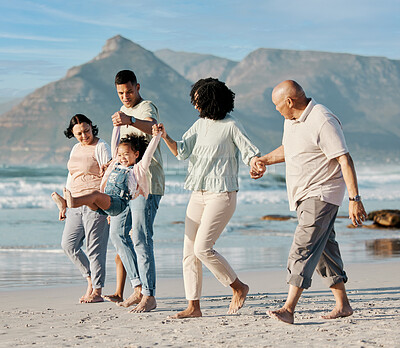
[306,111]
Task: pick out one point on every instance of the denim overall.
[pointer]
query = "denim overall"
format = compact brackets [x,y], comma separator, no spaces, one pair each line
[117,189]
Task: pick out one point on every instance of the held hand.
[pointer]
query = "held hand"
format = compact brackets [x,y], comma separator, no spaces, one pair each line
[120,119]
[155,130]
[357,213]
[262,168]
[257,168]
[158,128]
[255,175]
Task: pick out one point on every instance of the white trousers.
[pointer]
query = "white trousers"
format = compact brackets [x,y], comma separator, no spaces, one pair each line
[207,215]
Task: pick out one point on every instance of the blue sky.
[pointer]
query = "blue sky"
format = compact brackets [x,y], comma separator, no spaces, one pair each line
[41,40]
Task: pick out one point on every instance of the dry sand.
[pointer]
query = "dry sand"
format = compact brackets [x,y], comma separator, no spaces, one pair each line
[53,318]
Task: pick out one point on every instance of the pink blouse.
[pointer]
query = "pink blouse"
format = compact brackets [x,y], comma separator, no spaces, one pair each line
[84,170]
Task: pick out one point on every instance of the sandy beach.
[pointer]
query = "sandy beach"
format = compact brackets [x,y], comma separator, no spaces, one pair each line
[52,317]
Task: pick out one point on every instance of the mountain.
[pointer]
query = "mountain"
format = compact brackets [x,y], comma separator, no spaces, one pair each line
[362,91]
[32,131]
[194,66]
[7,104]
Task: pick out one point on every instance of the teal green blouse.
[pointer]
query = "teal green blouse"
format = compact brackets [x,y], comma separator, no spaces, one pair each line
[212,147]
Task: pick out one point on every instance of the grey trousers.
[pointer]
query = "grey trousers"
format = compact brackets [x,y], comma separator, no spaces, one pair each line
[314,245]
[84,223]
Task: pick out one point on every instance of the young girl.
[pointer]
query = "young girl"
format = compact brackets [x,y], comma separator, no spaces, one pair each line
[124,179]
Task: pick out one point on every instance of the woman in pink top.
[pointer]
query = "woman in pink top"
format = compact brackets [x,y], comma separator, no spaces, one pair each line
[84,176]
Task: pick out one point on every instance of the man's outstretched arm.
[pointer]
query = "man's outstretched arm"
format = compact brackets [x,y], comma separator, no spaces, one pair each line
[258,165]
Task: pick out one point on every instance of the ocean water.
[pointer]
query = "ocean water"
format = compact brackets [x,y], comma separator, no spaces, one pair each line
[30,233]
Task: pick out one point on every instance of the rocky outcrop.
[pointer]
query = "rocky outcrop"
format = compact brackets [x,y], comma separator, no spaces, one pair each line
[386,218]
[277,217]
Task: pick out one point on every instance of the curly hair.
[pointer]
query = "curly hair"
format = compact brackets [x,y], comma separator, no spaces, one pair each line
[78,119]
[212,98]
[125,76]
[137,143]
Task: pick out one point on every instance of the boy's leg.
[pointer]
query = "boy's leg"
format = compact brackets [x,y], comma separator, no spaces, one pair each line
[121,277]
[118,296]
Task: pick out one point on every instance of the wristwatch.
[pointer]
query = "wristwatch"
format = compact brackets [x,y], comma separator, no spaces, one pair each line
[133,120]
[356,198]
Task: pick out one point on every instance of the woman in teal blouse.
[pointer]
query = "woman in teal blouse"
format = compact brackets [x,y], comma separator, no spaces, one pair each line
[212,146]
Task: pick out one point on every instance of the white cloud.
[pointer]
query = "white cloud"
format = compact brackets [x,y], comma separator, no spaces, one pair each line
[105,18]
[33,38]
[34,51]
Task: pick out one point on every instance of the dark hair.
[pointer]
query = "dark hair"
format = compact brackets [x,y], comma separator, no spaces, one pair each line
[78,119]
[124,76]
[137,143]
[213,98]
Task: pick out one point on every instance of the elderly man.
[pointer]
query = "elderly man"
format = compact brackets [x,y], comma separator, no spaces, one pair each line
[318,169]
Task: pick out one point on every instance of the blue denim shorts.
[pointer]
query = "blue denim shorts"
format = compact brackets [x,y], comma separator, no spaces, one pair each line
[117,206]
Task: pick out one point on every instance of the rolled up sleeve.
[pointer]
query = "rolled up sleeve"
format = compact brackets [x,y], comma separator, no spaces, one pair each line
[186,145]
[247,149]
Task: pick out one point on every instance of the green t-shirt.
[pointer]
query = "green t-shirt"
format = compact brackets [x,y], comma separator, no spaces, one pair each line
[156,173]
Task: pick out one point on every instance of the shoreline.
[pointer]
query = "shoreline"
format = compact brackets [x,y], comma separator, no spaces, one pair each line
[78,282]
[52,317]
[266,280]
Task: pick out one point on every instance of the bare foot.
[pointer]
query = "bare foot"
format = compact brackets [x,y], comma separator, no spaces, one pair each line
[135,298]
[238,298]
[147,304]
[89,291]
[69,198]
[93,299]
[82,299]
[60,201]
[282,315]
[113,298]
[339,313]
[187,313]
